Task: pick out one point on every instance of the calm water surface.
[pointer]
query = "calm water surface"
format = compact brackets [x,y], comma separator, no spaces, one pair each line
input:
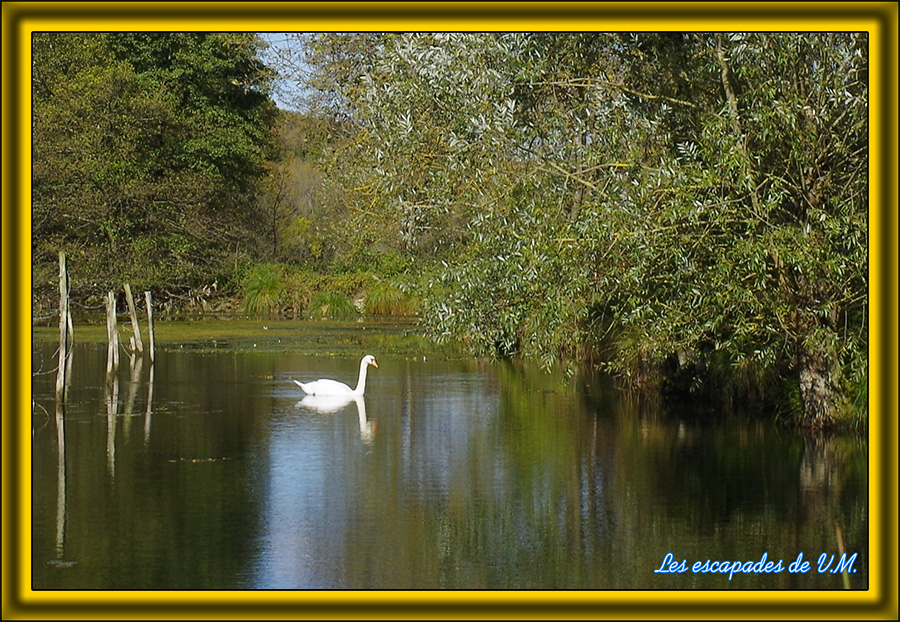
[206,471]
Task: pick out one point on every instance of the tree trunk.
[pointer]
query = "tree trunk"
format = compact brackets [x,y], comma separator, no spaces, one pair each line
[819,383]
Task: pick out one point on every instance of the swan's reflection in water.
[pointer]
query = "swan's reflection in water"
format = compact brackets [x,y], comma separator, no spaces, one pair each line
[327,404]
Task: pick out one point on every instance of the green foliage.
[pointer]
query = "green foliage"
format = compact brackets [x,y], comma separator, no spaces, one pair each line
[348,283]
[646,198]
[295,291]
[516,289]
[417,119]
[303,215]
[686,209]
[744,253]
[300,285]
[147,151]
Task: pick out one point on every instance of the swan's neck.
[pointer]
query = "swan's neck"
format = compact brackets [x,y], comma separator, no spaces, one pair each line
[361,384]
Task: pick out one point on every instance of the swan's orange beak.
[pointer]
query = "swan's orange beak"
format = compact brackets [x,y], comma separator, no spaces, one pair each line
[374,363]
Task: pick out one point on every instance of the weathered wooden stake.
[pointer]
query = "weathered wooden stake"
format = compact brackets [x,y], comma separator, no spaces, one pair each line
[138,344]
[65,328]
[112,331]
[150,323]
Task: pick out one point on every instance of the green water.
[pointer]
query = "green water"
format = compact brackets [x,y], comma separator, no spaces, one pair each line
[396,336]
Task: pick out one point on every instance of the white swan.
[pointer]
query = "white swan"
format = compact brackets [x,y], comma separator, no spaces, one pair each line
[335,388]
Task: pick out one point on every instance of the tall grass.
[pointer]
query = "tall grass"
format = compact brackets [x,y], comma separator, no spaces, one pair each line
[387,299]
[331,305]
[292,291]
[263,288]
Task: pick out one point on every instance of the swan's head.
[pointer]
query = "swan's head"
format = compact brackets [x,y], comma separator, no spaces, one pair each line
[369,360]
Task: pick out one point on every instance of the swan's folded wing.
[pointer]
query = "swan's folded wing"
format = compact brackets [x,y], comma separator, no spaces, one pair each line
[325,386]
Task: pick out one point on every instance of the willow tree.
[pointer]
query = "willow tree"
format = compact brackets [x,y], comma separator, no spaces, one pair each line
[750,239]
[421,119]
[684,204]
[458,148]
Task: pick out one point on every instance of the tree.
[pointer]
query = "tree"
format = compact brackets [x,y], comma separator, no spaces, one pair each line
[300,206]
[751,238]
[421,121]
[147,145]
[691,203]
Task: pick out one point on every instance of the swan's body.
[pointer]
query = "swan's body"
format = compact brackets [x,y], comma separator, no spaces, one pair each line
[334,388]
[327,404]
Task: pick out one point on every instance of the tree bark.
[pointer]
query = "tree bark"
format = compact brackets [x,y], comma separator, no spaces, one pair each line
[65,329]
[138,344]
[819,371]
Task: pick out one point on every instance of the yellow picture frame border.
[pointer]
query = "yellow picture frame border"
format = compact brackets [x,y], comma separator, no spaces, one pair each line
[20,19]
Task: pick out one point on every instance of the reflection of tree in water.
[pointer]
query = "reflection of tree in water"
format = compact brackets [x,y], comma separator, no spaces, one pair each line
[744,478]
[832,479]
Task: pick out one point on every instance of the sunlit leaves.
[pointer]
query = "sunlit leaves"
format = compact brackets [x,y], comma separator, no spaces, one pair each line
[643,194]
[749,270]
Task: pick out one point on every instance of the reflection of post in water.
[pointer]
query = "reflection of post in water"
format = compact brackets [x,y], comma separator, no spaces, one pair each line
[842,551]
[60,480]
[149,403]
[136,365]
[63,378]
[112,409]
[821,482]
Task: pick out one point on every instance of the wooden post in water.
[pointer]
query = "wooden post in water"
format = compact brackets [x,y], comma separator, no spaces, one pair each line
[138,344]
[112,332]
[150,323]
[65,328]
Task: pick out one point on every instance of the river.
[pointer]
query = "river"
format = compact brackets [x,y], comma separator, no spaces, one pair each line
[206,470]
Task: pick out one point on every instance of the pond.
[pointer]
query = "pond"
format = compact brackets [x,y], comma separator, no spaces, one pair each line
[206,470]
